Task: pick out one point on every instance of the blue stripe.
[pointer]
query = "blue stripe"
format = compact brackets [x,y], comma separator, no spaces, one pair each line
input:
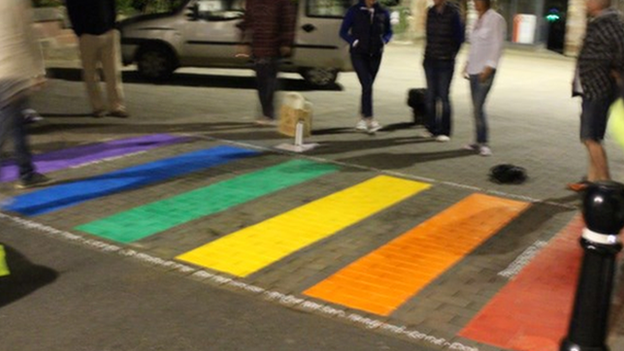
[66,195]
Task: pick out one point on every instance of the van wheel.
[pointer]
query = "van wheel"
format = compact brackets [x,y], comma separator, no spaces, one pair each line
[156,62]
[320,77]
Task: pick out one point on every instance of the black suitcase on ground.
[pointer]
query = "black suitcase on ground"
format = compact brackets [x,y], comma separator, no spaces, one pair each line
[416,100]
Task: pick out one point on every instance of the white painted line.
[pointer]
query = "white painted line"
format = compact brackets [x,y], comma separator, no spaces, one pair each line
[286,300]
[521,261]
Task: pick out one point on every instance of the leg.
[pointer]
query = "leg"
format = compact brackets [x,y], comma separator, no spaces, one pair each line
[23,155]
[266,77]
[89,48]
[111,64]
[593,128]
[479,91]
[598,165]
[430,98]
[445,77]
[362,68]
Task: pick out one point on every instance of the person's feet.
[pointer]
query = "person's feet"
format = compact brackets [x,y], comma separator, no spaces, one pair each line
[578,186]
[120,114]
[31,116]
[265,122]
[99,114]
[372,126]
[33,180]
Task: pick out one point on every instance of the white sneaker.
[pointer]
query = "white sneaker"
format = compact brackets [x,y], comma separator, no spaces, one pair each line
[485,151]
[361,126]
[425,134]
[265,121]
[373,126]
[443,138]
[471,147]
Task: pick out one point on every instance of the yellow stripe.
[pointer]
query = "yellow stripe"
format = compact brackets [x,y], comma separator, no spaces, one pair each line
[253,248]
[384,279]
[4,268]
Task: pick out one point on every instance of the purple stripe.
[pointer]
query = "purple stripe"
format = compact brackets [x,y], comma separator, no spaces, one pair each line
[75,156]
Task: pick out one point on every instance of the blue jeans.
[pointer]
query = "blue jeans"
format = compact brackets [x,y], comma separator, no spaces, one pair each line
[12,124]
[439,76]
[266,79]
[479,91]
[366,66]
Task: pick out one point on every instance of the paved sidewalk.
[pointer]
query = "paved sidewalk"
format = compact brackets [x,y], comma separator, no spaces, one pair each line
[394,233]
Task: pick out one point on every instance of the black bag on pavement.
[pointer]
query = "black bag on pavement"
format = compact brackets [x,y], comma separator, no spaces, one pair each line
[508,174]
[416,100]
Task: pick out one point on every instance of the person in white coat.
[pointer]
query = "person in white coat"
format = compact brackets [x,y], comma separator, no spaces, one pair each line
[21,72]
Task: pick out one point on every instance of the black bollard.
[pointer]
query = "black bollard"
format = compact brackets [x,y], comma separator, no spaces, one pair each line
[603,210]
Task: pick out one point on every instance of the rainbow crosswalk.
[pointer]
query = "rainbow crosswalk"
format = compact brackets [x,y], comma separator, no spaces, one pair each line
[379,282]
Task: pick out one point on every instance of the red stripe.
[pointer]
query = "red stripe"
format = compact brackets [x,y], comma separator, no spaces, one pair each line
[532,312]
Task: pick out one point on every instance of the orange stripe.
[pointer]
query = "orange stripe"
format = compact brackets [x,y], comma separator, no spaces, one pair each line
[386,278]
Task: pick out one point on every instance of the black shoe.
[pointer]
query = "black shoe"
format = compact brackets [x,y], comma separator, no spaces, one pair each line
[33,180]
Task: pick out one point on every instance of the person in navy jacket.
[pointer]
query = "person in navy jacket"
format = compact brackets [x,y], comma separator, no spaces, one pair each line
[366,27]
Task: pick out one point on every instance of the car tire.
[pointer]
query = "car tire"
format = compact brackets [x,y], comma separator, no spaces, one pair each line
[320,77]
[156,62]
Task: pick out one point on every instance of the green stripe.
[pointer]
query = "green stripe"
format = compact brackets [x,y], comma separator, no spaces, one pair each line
[143,221]
[4,268]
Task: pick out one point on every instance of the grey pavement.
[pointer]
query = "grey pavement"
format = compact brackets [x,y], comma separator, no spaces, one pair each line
[533,123]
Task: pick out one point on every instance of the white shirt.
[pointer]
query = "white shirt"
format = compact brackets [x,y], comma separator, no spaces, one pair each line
[486,42]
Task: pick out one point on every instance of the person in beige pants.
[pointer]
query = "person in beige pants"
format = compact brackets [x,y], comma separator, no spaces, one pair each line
[93,22]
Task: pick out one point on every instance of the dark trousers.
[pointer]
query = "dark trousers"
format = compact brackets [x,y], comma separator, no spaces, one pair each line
[366,66]
[439,76]
[266,80]
[12,125]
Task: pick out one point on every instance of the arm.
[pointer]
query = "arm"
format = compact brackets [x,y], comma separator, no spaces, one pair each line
[388,28]
[345,28]
[458,31]
[496,51]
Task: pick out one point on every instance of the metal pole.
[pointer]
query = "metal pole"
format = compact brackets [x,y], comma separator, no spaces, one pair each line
[603,210]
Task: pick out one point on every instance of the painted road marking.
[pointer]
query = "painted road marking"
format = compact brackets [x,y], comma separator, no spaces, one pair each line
[85,154]
[66,195]
[532,312]
[143,221]
[384,279]
[4,267]
[253,248]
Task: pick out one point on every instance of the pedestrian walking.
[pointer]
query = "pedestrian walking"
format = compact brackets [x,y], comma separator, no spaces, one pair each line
[93,21]
[600,65]
[21,72]
[267,34]
[486,48]
[366,27]
[445,34]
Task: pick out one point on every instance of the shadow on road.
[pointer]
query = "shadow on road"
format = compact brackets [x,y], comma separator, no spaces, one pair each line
[198,80]
[24,278]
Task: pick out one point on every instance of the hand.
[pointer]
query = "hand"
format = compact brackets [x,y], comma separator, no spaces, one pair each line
[243,51]
[465,72]
[485,75]
[285,51]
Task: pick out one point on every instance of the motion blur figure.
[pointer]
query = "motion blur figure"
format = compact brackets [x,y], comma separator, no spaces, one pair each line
[21,72]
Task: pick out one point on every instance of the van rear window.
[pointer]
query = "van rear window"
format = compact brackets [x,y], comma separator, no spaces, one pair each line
[328,8]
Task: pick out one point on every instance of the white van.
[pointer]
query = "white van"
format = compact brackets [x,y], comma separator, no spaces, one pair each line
[204,33]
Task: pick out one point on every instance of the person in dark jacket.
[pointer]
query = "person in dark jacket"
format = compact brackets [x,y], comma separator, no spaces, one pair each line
[268,29]
[93,21]
[600,65]
[445,34]
[366,27]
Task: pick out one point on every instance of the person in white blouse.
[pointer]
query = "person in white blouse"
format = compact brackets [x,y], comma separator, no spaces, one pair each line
[486,48]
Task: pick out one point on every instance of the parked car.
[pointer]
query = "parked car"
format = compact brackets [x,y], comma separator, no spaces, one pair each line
[204,33]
